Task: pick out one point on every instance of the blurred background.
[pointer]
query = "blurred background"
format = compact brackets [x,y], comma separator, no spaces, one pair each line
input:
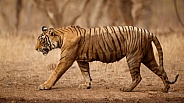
[23,69]
[28,16]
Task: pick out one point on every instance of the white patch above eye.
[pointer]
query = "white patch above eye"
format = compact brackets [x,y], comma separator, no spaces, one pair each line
[43,36]
[44,28]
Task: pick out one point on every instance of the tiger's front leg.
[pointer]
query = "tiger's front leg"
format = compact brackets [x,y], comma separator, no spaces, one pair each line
[84,67]
[57,73]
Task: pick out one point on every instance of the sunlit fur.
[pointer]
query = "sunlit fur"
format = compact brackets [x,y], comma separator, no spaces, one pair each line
[106,44]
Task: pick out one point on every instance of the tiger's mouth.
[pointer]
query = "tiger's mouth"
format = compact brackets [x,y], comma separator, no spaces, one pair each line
[45,51]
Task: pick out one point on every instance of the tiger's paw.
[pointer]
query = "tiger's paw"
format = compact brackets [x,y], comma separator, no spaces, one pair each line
[84,86]
[126,89]
[44,87]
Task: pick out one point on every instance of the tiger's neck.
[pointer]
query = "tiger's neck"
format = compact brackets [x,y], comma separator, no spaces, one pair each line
[60,42]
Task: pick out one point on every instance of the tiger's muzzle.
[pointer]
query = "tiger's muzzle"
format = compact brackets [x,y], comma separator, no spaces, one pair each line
[45,51]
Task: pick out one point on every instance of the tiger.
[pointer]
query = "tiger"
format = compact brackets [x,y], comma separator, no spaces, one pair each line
[107,44]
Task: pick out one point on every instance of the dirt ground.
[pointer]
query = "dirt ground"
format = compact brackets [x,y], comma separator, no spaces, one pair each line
[23,69]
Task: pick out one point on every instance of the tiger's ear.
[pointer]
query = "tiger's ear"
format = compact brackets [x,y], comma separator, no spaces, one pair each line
[44,29]
[51,32]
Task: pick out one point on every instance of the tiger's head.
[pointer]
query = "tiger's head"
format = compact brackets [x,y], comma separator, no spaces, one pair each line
[48,40]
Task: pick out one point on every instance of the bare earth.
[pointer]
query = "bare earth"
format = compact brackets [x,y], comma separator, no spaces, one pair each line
[22,70]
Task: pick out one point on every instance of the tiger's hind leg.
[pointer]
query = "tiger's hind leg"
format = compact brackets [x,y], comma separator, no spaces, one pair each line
[134,67]
[150,62]
[84,67]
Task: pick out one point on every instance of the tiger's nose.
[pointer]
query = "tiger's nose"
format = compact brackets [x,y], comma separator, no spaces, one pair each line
[36,49]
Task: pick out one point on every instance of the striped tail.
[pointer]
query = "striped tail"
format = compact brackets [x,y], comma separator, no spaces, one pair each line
[160,53]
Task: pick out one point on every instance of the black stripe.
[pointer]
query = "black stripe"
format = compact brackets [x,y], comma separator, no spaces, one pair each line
[101,36]
[75,30]
[139,37]
[62,57]
[79,31]
[106,31]
[71,30]
[119,43]
[135,36]
[113,42]
[105,42]
[93,45]
[149,37]
[94,31]
[127,39]
[84,33]
[50,44]
[123,28]
[120,32]
[47,42]
[126,32]
[87,52]
[144,40]
[149,32]
[117,37]
[110,34]
[91,39]
[98,51]
[103,52]
[103,45]
[95,39]
[65,29]
[130,34]
[135,41]
[84,41]
[99,29]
